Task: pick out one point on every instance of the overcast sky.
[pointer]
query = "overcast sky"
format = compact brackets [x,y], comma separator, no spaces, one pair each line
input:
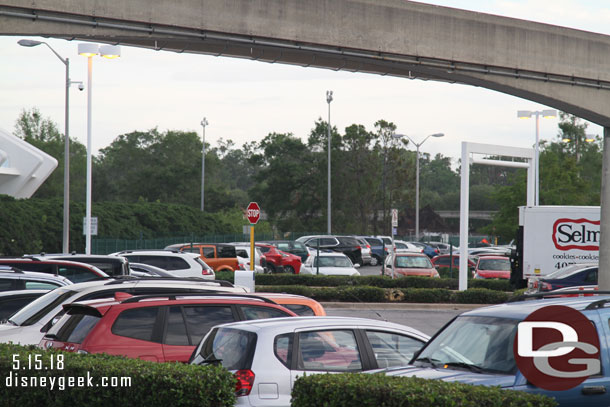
[246,100]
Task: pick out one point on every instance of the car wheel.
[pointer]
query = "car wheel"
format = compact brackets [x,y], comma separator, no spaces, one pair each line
[289,269]
[374,261]
[271,268]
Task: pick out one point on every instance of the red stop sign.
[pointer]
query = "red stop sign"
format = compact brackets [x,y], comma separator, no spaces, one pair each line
[253,213]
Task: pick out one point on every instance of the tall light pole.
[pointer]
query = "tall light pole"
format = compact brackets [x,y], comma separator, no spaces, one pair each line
[588,138]
[526,114]
[417,175]
[204,123]
[329,98]
[66,220]
[89,50]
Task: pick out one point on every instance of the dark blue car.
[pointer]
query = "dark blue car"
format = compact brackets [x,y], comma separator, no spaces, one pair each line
[377,253]
[571,276]
[477,348]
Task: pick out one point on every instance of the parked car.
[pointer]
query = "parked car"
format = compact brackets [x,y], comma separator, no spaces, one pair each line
[330,263]
[111,265]
[477,348]
[159,328]
[444,260]
[443,248]
[29,324]
[378,252]
[426,249]
[13,301]
[279,261]
[219,256]
[175,262]
[492,267]
[300,305]
[73,271]
[409,264]
[290,246]
[343,244]
[12,278]
[243,257]
[365,250]
[267,356]
[571,276]
[402,246]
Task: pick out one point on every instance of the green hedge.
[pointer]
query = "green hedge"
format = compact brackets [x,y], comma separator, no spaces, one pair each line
[372,390]
[377,294]
[152,384]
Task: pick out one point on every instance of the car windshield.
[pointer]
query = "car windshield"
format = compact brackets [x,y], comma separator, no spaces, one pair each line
[566,271]
[34,311]
[494,264]
[481,343]
[332,261]
[413,262]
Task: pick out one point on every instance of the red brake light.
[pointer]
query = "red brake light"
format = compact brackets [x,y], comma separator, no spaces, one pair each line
[245,381]
[368,246]
[206,272]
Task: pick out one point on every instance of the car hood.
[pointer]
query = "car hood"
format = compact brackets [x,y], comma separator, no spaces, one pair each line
[453,375]
[22,335]
[335,271]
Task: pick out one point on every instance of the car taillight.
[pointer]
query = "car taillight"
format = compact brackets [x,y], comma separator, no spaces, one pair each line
[207,272]
[245,381]
[358,247]
[368,246]
[546,286]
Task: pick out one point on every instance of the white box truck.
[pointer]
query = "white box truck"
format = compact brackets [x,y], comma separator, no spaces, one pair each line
[557,236]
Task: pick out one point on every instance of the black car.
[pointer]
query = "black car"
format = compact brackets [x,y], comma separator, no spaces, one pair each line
[571,276]
[343,244]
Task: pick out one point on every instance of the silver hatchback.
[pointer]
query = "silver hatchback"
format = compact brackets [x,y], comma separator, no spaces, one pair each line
[268,355]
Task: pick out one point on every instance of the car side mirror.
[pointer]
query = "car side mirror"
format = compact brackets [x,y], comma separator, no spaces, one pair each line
[357,265]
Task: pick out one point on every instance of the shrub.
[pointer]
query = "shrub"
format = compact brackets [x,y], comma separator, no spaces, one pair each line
[225,275]
[371,390]
[480,296]
[427,295]
[152,384]
[491,284]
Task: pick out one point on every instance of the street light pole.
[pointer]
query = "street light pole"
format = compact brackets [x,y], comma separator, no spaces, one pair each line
[329,98]
[526,114]
[89,50]
[66,217]
[204,123]
[417,145]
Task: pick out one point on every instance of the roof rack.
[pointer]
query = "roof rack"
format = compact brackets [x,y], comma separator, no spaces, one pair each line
[10,269]
[149,250]
[129,279]
[139,298]
[551,294]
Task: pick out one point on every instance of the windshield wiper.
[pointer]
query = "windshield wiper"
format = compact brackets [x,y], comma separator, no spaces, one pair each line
[472,368]
[431,362]
[210,359]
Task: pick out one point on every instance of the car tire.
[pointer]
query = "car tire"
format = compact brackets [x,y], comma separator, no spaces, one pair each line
[288,269]
[374,260]
[271,267]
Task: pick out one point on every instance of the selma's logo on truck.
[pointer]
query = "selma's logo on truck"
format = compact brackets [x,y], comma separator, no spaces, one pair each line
[581,234]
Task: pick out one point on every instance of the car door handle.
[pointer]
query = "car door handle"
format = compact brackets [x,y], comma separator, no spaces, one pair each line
[593,390]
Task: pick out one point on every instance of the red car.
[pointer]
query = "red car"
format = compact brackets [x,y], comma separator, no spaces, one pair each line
[444,260]
[278,260]
[160,328]
[492,267]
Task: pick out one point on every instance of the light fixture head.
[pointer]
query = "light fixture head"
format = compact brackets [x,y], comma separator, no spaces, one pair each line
[590,138]
[549,113]
[110,51]
[329,96]
[524,114]
[566,139]
[438,135]
[29,43]
[204,122]
[87,49]
[396,135]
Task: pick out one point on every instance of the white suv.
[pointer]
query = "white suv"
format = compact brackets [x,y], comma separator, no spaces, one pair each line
[12,278]
[175,262]
[268,355]
[29,324]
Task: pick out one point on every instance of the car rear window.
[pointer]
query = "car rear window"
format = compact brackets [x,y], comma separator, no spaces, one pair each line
[300,310]
[234,347]
[255,312]
[75,328]
[34,311]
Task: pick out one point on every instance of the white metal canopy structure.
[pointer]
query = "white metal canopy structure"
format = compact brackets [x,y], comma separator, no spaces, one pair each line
[487,149]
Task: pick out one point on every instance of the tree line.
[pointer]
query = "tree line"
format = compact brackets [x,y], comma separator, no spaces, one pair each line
[372,172]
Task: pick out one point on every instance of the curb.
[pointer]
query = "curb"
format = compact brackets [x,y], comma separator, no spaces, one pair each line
[401,306]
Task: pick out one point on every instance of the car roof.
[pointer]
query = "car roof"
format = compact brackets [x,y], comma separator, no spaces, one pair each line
[521,309]
[290,324]
[13,272]
[26,260]
[17,293]
[494,257]
[329,254]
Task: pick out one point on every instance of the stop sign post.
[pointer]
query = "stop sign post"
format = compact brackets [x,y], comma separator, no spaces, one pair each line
[253,213]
